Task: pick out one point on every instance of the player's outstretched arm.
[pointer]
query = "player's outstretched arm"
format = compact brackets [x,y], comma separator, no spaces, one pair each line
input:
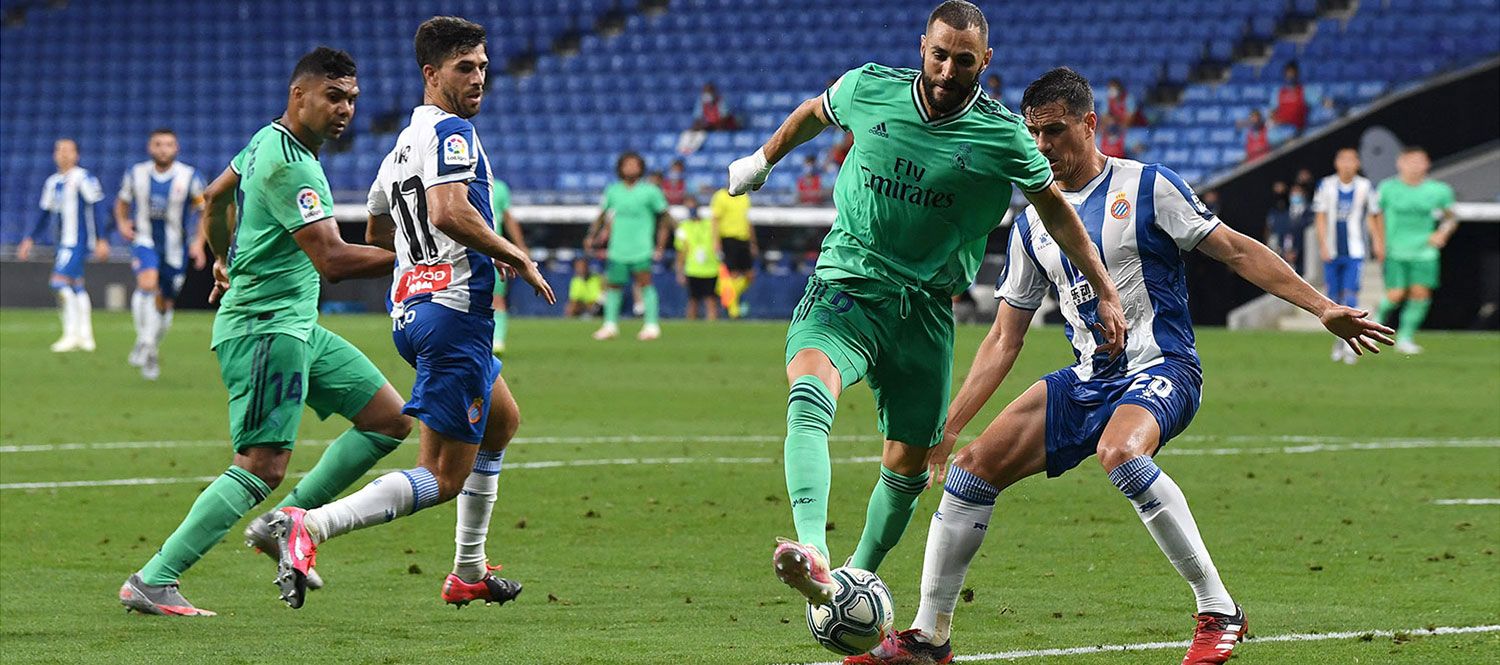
[1263,268]
[747,174]
[338,260]
[449,210]
[992,363]
[1063,224]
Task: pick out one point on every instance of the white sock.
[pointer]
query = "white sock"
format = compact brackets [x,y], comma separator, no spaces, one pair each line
[67,312]
[163,324]
[140,304]
[1164,510]
[475,504]
[83,311]
[957,530]
[392,495]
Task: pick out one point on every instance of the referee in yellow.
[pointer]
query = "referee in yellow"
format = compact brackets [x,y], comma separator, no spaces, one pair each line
[731,220]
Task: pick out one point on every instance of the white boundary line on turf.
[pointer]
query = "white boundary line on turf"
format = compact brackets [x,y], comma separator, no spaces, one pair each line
[1405,444]
[1152,646]
[1309,444]
[1467,502]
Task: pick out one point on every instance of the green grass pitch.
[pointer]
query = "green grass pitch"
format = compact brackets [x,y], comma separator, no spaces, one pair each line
[640,508]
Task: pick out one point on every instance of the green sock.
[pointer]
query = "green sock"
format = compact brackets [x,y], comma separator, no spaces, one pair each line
[648,296]
[345,461]
[502,320]
[1412,316]
[218,507]
[1383,313]
[809,416]
[891,507]
[612,300]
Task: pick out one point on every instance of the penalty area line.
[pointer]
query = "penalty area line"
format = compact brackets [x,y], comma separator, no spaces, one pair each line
[1467,502]
[1183,644]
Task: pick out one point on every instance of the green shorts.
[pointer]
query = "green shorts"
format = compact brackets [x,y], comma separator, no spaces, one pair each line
[1405,274]
[908,361]
[618,273]
[270,377]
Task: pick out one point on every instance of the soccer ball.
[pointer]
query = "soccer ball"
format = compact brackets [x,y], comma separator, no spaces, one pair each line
[859,617]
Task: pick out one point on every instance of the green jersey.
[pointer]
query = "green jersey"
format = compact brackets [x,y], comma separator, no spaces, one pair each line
[918,196]
[273,286]
[1411,216]
[695,242]
[635,209]
[499,203]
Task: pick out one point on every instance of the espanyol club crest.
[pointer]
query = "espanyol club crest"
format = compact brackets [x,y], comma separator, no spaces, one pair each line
[476,410]
[1120,208]
[455,149]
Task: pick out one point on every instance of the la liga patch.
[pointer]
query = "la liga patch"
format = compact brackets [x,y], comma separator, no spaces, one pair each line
[310,205]
[456,150]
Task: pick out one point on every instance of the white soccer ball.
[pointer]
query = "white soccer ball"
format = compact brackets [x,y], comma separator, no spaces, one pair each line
[859,617]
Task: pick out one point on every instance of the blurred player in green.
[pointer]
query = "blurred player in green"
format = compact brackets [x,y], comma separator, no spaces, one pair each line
[1410,207]
[698,262]
[929,177]
[510,230]
[633,216]
[273,356]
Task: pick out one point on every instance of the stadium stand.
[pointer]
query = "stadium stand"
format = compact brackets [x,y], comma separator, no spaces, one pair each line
[216,71]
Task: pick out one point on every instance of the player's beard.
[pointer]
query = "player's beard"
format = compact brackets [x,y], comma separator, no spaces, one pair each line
[941,108]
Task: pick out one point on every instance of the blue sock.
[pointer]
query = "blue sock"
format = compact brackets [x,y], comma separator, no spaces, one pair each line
[970,488]
[424,487]
[488,462]
[1135,476]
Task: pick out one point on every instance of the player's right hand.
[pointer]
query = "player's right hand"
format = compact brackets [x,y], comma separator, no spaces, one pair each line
[221,282]
[23,250]
[1356,329]
[533,276]
[127,232]
[747,174]
[1111,324]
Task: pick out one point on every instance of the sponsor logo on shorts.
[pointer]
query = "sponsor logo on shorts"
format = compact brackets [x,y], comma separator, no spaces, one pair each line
[423,279]
[476,410]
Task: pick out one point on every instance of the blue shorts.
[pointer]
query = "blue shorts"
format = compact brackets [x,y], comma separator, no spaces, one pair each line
[169,278]
[70,261]
[455,368]
[1078,411]
[1342,275]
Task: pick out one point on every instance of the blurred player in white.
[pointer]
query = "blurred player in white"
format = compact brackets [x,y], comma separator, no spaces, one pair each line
[431,204]
[157,199]
[1344,206]
[70,199]
[1143,218]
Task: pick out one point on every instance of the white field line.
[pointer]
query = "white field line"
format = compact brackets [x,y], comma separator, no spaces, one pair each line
[1467,502]
[1308,444]
[1152,646]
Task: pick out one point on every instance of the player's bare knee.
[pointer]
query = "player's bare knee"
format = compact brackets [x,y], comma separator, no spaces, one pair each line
[1113,454]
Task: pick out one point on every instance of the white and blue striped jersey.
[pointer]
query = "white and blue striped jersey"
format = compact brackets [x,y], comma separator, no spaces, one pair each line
[163,204]
[68,200]
[436,148]
[1347,206]
[1142,218]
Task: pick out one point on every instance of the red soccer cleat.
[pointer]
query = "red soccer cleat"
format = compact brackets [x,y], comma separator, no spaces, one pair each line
[491,589]
[904,648]
[296,554]
[803,567]
[1215,638]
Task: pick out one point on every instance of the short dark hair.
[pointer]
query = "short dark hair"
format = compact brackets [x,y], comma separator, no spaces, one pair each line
[1060,85]
[960,15]
[442,37]
[162,130]
[628,155]
[324,61]
[1407,150]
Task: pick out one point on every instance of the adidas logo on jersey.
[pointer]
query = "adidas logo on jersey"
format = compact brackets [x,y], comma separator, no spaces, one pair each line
[879,130]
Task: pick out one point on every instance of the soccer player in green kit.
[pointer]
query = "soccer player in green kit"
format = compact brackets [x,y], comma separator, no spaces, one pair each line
[1410,206]
[510,230]
[273,355]
[928,179]
[633,215]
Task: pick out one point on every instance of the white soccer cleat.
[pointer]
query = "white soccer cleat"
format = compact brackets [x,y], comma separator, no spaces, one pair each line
[1407,348]
[803,567]
[607,331]
[649,332]
[137,355]
[66,344]
[86,344]
[151,367]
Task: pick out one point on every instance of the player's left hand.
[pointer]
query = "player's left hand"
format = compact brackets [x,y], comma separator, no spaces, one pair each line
[1437,240]
[101,250]
[937,459]
[533,276]
[747,174]
[221,282]
[1353,326]
[23,250]
[1111,324]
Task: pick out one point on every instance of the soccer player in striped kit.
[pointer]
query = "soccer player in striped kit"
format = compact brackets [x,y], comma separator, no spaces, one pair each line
[1143,218]
[70,200]
[1344,206]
